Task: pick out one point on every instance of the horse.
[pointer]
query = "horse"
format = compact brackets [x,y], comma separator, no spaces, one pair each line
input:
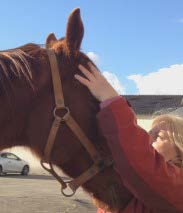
[28,113]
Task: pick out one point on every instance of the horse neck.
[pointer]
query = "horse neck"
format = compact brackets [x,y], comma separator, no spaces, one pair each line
[19,98]
[13,119]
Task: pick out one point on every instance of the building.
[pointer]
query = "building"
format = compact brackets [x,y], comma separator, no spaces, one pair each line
[148,106]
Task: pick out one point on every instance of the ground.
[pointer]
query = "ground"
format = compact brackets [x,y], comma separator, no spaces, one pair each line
[39,194]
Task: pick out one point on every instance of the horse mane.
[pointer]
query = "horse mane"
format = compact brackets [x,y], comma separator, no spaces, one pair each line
[16,64]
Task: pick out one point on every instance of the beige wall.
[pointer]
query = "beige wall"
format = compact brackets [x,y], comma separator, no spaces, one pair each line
[145,123]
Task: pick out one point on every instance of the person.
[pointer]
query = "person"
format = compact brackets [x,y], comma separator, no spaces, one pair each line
[149,164]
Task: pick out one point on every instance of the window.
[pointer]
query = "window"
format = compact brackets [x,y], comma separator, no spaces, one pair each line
[4,155]
[12,156]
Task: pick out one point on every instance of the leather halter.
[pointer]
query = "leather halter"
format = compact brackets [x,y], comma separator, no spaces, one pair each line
[98,165]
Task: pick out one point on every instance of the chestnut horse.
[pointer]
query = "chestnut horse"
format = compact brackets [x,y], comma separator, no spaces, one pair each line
[27,103]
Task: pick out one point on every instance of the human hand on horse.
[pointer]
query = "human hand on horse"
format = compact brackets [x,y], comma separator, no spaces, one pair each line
[98,85]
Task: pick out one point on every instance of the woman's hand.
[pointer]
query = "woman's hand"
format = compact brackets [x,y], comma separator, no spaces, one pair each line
[96,83]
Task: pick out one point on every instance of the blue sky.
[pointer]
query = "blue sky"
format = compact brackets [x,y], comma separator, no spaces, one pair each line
[138,44]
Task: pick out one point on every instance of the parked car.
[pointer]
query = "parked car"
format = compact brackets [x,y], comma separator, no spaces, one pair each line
[10,163]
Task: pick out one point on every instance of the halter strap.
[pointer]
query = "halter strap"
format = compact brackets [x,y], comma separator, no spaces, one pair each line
[99,163]
[69,120]
[57,85]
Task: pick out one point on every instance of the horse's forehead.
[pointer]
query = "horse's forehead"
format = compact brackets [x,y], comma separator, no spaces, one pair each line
[62,50]
[58,45]
[83,58]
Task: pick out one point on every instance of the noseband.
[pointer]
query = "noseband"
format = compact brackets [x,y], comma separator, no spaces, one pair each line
[98,163]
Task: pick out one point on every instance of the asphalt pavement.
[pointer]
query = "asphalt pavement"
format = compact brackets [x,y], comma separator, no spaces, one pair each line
[39,194]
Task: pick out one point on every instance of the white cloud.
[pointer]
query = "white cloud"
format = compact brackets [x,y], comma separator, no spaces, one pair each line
[111,77]
[180,20]
[114,81]
[165,81]
[94,57]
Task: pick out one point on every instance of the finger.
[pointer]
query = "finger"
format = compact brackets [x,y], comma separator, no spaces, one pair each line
[86,72]
[155,144]
[94,70]
[159,140]
[82,80]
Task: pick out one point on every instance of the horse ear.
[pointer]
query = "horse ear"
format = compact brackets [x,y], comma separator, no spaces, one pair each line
[50,39]
[75,30]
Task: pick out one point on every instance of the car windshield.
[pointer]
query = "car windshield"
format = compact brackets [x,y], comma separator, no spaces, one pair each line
[12,156]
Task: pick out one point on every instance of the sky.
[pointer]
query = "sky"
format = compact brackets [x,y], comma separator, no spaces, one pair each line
[136,44]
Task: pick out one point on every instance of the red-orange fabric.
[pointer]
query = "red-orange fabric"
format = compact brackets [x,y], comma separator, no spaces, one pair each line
[156,185]
[108,101]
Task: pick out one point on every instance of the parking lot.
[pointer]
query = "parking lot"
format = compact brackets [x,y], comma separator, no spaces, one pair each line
[39,194]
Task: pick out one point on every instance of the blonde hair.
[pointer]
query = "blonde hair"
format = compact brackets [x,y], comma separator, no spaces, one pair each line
[175,125]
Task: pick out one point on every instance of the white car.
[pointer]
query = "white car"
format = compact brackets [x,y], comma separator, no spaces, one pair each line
[10,163]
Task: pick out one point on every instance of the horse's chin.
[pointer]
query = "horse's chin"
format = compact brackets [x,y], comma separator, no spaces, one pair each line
[113,198]
[109,200]
[102,205]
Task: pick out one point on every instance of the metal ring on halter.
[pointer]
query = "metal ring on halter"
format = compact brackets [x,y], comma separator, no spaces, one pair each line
[67,195]
[59,117]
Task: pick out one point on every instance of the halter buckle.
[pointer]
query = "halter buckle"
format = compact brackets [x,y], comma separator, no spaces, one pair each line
[61,118]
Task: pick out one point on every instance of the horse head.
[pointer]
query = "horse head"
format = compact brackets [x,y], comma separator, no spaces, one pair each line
[33,107]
